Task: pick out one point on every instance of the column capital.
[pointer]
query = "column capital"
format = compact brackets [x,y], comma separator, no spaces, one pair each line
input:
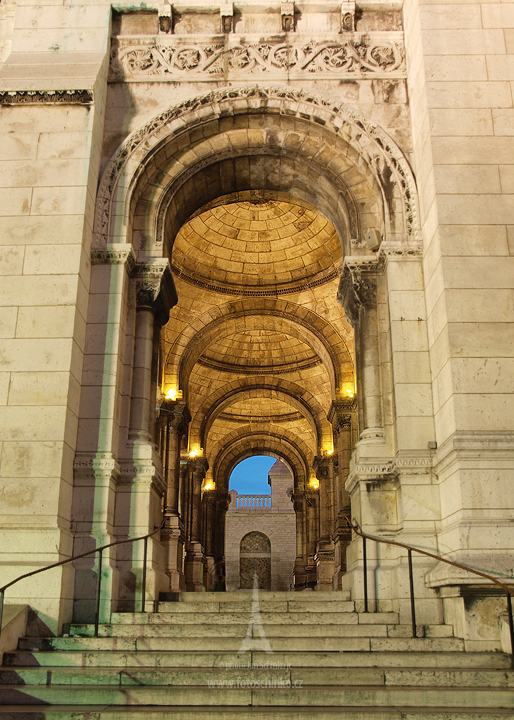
[340,414]
[358,285]
[175,413]
[155,289]
[321,465]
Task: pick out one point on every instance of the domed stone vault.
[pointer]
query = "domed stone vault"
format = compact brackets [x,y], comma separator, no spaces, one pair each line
[258,350]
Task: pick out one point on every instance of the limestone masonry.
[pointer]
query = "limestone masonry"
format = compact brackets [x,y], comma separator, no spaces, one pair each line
[250,228]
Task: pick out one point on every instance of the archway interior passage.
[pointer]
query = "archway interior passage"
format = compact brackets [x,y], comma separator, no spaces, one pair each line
[258,348]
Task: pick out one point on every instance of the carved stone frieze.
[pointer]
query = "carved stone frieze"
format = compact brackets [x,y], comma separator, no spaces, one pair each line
[45,97]
[167,58]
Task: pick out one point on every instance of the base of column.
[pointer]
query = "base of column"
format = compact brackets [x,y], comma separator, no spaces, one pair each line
[209,580]
[194,568]
[174,536]
[325,565]
[342,538]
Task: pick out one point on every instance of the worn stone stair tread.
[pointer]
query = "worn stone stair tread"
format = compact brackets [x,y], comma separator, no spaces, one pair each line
[149,712]
[309,676]
[320,696]
[335,658]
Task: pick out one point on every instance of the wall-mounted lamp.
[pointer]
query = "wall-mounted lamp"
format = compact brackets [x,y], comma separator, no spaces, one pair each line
[173,394]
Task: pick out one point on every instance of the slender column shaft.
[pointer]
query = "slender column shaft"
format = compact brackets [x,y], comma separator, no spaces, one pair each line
[142,374]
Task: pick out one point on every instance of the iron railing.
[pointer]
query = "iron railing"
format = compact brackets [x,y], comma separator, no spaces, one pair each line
[98,550]
[509,591]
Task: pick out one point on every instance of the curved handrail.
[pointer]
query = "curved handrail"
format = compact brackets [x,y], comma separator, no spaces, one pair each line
[429,554]
[71,559]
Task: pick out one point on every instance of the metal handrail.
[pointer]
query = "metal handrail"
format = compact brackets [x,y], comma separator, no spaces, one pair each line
[99,574]
[410,548]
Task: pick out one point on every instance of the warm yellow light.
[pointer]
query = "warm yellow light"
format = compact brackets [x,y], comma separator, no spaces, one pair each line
[194,453]
[314,483]
[350,393]
[209,485]
[330,451]
[173,394]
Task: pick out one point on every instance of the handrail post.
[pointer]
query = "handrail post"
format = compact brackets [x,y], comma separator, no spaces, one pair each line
[143,588]
[98,589]
[412,605]
[511,626]
[365,570]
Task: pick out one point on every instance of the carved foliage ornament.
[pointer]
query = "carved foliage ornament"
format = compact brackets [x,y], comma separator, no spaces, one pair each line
[155,289]
[334,116]
[31,97]
[359,55]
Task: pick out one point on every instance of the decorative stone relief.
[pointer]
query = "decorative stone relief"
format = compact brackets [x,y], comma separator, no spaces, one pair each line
[170,59]
[31,97]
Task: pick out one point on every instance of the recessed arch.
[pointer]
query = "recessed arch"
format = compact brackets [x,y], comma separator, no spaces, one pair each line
[299,321]
[294,394]
[370,147]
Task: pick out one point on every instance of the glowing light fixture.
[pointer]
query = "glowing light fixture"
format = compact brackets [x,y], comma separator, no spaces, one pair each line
[173,394]
[209,485]
[194,453]
[314,483]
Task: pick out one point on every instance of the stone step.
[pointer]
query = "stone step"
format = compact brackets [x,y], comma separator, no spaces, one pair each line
[244,693]
[264,605]
[270,630]
[298,676]
[279,644]
[271,606]
[100,712]
[243,618]
[143,659]
[247,595]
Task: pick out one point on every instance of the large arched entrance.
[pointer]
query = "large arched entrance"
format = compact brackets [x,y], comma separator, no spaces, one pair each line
[246,220]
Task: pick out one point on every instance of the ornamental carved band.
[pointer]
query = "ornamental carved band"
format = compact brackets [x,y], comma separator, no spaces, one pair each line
[359,55]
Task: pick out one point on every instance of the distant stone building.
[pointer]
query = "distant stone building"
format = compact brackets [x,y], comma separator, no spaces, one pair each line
[260,535]
[245,228]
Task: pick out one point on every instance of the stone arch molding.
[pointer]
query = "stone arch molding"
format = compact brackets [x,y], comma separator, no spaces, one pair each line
[371,144]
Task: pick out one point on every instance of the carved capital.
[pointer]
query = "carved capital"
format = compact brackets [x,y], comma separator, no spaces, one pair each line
[358,285]
[176,414]
[155,289]
[321,465]
[340,415]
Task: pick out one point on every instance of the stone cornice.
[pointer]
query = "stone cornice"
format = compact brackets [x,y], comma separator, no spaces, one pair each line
[46,97]
[114,254]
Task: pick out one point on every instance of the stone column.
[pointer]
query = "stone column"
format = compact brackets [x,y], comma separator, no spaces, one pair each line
[177,420]
[301,547]
[342,415]
[142,467]
[209,503]
[195,559]
[312,513]
[358,295]
[324,558]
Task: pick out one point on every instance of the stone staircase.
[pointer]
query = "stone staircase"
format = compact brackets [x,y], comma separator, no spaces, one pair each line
[263,655]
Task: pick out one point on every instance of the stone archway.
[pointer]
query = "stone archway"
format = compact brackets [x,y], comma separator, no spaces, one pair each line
[257,198]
